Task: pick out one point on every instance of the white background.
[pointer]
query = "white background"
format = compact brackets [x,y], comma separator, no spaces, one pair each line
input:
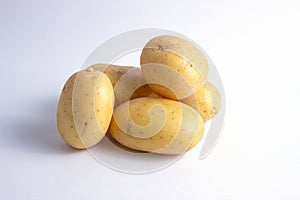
[255,46]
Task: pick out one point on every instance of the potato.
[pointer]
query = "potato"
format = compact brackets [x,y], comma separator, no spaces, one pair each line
[85,109]
[114,72]
[173,67]
[128,82]
[156,125]
[216,98]
[206,101]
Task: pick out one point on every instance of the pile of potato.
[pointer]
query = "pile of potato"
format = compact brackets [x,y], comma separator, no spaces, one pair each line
[161,107]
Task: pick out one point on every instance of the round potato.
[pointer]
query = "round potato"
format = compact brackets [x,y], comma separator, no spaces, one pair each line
[206,101]
[156,125]
[173,67]
[128,82]
[85,109]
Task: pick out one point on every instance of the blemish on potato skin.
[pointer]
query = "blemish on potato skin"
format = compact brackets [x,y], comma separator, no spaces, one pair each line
[65,89]
[160,47]
[90,69]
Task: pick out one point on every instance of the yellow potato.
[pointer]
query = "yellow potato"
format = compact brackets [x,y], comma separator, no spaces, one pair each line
[128,82]
[206,101]
[114,72]
[85,109]
[156,125]
[173,67]
[216,98]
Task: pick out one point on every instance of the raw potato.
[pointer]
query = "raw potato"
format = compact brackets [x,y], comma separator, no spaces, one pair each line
[156,125]
[128,82]
[206,101]
[173,67]
[85,109]
[159,108]
[114,72]
[216,99]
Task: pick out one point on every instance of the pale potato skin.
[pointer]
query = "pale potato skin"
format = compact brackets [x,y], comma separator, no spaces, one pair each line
[173,67]
[216,98]
[156,125]
[128,82]
[206,101]
[85,109]
[114,72]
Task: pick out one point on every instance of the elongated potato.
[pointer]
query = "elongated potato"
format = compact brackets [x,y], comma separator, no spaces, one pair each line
[128,82]
[156,125]
[206,101]
[173,67]
[85,109]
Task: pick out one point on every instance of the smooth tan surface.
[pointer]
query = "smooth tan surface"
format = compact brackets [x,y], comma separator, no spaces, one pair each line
[85,109]
[216,98]
[114,72]
[128,82]
[156,125]
[173,67]
[206,101]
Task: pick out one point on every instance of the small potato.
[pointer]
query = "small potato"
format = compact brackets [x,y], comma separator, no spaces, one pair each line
[156,125]
[85,109]
[128,82]
[173,67]
[206,101]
